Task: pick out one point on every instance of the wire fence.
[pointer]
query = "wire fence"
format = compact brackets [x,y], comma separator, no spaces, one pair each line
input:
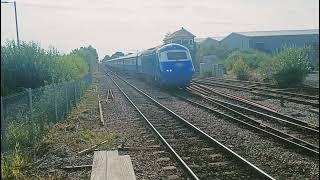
[26,116]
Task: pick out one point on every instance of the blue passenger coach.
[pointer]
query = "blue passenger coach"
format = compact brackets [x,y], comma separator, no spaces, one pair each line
[170,64]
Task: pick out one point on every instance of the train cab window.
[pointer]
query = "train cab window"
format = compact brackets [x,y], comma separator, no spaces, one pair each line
[176,55]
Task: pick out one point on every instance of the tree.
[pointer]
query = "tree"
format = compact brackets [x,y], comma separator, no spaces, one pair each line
[117,54]
[90,55]
[106,57]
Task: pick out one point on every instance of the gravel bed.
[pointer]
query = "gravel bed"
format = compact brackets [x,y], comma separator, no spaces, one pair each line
[295,110]
[271,156]
[122,119]
[181,138]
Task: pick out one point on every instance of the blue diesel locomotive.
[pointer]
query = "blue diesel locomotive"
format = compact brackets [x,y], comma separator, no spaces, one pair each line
[170,65]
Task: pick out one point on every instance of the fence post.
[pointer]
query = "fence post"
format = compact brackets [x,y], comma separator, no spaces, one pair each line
[75,93]
[55,105]
[3,127]
[31,115]
[67,101]
[80,90]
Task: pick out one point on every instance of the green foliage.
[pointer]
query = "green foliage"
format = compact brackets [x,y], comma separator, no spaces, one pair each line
[253,59]
[208,74]
[241,70]
[31,66]
[106,57]
[12,164]
[289,67]
[313,52]
[69,67]
[18,133]
[116,55]
[90,55]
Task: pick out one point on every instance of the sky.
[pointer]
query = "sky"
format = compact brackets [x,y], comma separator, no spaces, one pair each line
[131,25]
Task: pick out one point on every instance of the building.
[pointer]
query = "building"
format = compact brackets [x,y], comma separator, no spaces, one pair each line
[207,42]
[183,37]
[271,41]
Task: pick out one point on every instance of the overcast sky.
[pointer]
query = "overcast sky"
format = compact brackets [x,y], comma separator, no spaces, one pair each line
[127,25]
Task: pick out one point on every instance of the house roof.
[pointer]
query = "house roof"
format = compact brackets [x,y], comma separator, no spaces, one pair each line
[279,33]
[180,33]
[201,40]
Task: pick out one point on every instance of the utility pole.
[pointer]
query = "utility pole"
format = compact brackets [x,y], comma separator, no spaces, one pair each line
[16,18]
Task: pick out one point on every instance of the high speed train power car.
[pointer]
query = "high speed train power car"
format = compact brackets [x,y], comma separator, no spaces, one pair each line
[169,64]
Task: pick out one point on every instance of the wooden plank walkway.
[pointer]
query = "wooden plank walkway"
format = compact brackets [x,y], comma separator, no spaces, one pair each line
[108,165]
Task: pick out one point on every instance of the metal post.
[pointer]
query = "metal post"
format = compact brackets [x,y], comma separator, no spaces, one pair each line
[75,93]
[67,101]
[31,115]
[56,105]
[3,127]
[79,91]
[17,29]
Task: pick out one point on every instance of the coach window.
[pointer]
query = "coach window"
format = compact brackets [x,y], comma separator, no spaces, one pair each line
[191,41]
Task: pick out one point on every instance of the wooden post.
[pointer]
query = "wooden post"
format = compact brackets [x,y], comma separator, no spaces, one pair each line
[31,115]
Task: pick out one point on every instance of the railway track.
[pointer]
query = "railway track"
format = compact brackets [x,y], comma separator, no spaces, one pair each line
[253,105]
[309,89]
[299,136]
[201,156]
[271,93]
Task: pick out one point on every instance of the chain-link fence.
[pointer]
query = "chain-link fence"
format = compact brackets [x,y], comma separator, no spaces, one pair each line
[25,116]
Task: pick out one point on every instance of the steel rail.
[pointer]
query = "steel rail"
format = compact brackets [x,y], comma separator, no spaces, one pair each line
[312,129]
[256,90]
[258,171]
[274,113]
[236,87]
[259,126]
[173,152]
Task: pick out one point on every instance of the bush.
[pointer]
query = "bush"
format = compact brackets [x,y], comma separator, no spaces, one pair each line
[251,58]
[30,66]
[289,67]
[241,70]
[68,67]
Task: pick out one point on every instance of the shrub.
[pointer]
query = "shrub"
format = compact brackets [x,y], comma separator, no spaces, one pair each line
[251,58]
[241,70]
[289,67]
[30,66]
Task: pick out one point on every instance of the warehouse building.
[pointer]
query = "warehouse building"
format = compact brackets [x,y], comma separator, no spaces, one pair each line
[271,41]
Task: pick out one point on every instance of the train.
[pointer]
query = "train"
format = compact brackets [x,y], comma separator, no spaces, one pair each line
[168,65]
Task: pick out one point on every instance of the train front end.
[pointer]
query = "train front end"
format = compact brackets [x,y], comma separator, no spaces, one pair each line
[175,63]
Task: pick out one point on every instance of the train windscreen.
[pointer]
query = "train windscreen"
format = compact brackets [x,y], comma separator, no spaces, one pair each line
[176,55]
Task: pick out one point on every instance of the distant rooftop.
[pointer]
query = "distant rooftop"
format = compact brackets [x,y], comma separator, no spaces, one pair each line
[217,38]
[180,33]
[279,33]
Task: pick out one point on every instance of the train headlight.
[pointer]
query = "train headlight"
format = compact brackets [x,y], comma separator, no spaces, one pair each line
[169,70]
